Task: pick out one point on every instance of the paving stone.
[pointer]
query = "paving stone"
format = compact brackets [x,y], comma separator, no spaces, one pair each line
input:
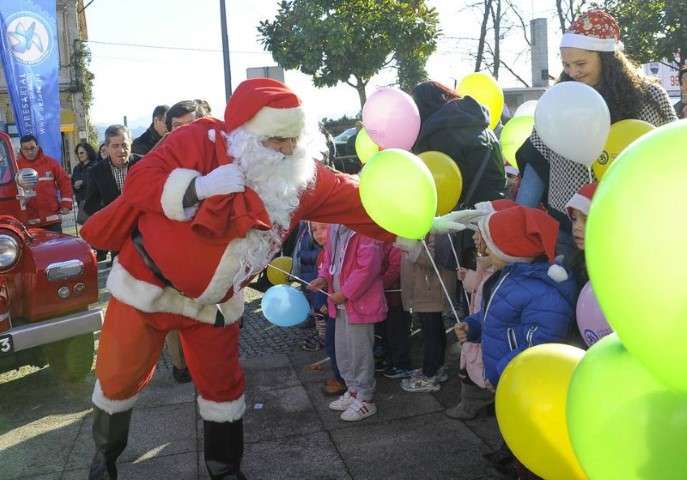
[178,467]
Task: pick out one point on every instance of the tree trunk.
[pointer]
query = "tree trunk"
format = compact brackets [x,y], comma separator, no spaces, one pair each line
[362,95]
[496,20]
[482,35]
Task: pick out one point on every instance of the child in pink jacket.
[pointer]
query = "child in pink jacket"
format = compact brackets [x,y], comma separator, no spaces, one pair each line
[352,272]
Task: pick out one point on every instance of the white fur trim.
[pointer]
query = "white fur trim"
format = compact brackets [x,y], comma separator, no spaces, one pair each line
[222,411]
[486,207]
[173,191]
[107,404]
[577,40]
[277,122]
[579,202]
[557,273]
[486,235]
[150,298]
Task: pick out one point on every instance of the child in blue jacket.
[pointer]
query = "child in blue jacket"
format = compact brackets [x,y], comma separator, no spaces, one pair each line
[527,301]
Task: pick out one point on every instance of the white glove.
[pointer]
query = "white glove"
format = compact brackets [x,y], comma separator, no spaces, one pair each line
[223,180]
[451,222]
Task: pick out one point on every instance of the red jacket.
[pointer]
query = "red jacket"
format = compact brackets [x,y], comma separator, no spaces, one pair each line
[201,255]
[54,190]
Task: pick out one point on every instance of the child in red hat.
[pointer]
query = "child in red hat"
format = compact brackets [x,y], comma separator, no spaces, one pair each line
[578,210]
[528,300]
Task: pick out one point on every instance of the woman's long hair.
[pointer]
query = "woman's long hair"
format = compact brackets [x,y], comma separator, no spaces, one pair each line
[431,96]
[90,152]
[622,85]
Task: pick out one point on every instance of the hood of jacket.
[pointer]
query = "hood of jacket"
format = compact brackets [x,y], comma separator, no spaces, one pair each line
[466,119]
[540,271]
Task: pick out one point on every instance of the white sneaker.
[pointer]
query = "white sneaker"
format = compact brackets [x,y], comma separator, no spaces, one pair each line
[343,402]
[420,384]
[358,410]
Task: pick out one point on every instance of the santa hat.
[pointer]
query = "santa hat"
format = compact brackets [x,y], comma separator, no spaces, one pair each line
[582,199]
[594,30]
[519,234]
[495,205]
[265,107]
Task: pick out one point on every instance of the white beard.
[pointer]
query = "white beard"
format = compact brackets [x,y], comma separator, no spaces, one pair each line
[279,181]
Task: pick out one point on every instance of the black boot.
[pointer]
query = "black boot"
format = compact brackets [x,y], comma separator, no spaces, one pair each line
[110,433]
[224,449]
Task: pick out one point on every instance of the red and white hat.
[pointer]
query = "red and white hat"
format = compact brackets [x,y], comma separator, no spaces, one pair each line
[495,205]
[582,199]
[519,234]
[594,30]
[265,107]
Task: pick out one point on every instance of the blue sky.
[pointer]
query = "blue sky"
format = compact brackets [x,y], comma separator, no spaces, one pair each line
[132,80]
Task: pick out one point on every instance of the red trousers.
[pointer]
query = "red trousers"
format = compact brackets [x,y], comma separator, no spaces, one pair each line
[131,342]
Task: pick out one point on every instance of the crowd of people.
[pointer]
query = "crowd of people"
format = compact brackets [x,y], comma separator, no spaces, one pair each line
[502,272]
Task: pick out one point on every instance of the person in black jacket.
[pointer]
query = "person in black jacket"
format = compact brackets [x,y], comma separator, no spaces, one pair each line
[87,158]
[153,134]
[459,127]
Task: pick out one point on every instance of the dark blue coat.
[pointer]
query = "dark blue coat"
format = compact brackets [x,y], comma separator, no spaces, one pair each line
[305,255]
[521,306]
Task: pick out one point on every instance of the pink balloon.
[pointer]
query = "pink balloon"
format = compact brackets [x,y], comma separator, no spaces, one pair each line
[391,118]
[590,319]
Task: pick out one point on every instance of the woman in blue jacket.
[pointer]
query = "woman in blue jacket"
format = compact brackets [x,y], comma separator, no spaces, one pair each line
[527,301]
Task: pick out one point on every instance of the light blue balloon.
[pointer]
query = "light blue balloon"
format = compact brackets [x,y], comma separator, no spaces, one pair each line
[285,306]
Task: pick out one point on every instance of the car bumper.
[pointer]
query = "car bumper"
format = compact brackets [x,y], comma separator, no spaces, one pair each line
[55,329]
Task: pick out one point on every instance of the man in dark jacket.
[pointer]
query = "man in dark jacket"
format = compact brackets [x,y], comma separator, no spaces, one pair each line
[682,81]
[155,132]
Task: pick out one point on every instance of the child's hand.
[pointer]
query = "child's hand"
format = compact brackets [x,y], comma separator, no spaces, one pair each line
[461,273]
[461,331]
[489,386]
[338,298]
[317,284]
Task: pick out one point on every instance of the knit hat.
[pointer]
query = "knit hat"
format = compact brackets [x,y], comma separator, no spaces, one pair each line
[594,30]
[582,199]
[265,107]
[519,234]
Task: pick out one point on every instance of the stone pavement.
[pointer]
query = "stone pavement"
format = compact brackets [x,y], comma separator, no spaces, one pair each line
[290,432]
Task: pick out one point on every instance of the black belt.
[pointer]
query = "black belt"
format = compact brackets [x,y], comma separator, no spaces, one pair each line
[138,245]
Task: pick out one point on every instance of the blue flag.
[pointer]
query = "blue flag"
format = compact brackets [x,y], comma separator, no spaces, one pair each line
[30,60]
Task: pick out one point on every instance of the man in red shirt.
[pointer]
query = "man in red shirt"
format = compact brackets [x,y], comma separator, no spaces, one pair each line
[54,191]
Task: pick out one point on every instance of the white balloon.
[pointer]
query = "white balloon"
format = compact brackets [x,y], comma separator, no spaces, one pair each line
[526,109]
[573,120]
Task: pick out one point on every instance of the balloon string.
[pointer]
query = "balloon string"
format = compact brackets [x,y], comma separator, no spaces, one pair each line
[298,279]
[441,281]
[455,254]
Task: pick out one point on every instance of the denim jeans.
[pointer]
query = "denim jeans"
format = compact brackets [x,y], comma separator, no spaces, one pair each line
[531,188]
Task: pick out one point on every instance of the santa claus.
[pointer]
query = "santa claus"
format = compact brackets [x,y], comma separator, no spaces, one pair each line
[198,218]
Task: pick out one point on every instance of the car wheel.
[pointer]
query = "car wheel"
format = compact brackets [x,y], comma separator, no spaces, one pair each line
[72,359]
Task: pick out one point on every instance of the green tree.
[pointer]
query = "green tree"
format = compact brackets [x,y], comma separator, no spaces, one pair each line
[652,30]
[351,40]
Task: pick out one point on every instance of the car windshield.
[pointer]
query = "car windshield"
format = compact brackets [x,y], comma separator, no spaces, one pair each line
[5,165]
[344,136]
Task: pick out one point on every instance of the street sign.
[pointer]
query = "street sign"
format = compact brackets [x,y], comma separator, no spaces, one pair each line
[277,73]
[666,74]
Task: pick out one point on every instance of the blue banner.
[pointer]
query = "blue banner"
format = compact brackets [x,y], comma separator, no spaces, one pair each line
[30,60]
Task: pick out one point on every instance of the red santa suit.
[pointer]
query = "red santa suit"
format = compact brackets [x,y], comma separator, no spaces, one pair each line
[183,268]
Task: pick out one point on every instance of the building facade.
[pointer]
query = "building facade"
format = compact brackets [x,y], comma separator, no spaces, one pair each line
[71,32]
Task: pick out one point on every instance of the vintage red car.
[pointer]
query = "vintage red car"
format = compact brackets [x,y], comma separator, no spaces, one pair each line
[48,284]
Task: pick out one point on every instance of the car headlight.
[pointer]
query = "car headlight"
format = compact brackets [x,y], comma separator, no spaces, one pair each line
[9,251]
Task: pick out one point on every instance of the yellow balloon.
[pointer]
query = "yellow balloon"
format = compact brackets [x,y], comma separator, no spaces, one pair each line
[531,409]
[447,178]
[620,135]
[485,89]
[275,276]
[365,148]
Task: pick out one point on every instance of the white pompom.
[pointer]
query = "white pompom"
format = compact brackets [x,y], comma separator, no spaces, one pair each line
[557,273]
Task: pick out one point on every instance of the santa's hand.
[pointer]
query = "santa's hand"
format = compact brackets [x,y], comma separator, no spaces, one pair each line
[448,223]
[223,180]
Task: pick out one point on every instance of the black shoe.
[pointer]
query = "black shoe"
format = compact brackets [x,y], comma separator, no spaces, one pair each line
[181,375]
[224,449]
[110,433]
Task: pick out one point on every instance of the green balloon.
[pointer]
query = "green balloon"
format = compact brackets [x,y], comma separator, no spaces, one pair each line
[398,192]
[513,135]
[365,148]
[635,249]
[624,423]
